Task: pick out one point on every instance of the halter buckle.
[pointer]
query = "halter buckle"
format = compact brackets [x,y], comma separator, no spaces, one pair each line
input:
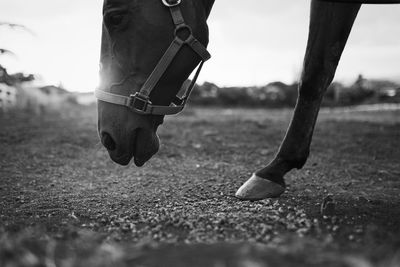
[139,103]
[171,3]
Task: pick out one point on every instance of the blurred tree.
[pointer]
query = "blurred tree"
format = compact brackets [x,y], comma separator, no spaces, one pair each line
[12,26]
[6,51]
[18,77]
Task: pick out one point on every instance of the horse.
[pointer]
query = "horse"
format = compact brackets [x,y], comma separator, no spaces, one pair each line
[149,48]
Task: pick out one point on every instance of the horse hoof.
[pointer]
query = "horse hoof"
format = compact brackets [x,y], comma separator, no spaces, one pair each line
[257,188]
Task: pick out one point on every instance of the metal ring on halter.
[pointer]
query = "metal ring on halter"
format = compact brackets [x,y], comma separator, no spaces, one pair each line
[174,2]
[183,27]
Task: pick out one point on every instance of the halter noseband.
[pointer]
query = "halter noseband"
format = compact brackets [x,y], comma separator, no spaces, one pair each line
[139,102]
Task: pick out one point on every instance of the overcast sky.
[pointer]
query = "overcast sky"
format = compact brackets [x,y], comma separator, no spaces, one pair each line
[252,42]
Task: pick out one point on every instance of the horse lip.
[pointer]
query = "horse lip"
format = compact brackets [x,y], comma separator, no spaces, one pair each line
[142,159]
[139,162]
[122,160]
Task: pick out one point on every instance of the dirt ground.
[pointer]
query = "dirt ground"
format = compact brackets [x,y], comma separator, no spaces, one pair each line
[64,203]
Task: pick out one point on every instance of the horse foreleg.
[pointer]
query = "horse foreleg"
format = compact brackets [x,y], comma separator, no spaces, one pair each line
[330,26]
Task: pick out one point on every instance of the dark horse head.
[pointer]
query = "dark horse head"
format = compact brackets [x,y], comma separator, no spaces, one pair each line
[136,35]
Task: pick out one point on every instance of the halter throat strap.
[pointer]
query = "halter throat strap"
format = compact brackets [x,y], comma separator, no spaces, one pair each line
[139,102]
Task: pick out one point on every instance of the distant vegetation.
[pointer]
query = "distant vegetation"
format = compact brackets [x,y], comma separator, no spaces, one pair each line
[278,94]
[17,92]
[272,95]
[15,78]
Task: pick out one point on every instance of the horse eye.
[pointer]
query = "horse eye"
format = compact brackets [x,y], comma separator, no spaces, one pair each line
[116,19]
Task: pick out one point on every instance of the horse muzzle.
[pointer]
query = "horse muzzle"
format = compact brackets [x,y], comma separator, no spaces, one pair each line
[142,145]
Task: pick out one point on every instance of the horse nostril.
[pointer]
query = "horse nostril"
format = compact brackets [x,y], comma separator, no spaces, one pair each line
[107,141]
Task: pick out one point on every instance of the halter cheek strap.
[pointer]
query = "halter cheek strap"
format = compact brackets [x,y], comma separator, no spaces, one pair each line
[139,102]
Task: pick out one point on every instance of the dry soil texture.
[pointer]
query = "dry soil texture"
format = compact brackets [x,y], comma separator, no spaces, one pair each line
[63,201]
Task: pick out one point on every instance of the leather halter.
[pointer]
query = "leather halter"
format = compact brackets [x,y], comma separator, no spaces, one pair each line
[139,102]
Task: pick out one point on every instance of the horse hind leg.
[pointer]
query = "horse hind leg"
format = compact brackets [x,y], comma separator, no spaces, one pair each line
[330,26]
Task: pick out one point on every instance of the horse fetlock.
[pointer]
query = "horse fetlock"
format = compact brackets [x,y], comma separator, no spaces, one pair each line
[276,169]
[278,179]
[274,172]
[298,163]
